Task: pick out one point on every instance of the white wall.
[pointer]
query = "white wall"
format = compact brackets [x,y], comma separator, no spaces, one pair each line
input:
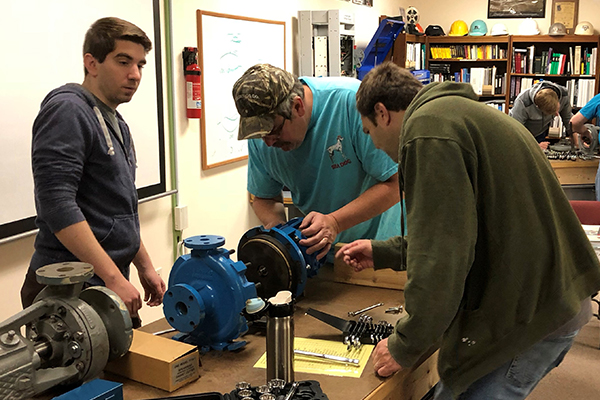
[217,199]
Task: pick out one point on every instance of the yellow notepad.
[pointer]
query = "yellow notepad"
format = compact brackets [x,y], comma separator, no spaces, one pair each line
[316,365]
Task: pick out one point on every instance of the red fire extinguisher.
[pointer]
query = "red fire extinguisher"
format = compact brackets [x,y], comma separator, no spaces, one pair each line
[193,81]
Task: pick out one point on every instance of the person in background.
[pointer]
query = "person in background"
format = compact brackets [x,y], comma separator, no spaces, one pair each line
[83,161]
[307,136]
[587,113]
[537,106]
[500,271]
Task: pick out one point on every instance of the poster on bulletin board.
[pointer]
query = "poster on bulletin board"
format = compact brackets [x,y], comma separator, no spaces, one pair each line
[227,46]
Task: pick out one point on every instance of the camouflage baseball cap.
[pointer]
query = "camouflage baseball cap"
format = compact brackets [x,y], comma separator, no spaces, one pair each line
[257,94]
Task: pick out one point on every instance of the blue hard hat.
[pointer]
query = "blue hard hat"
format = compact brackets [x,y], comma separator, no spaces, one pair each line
[478,28]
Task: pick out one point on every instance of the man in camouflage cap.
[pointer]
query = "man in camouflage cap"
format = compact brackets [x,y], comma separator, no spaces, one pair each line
[313,144]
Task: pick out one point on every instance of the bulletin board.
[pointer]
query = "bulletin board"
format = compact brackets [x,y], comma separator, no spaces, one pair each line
[227,46]
[42,51]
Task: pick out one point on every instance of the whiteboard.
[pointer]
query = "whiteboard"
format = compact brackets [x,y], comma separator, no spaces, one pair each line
[42,50]
[227,46]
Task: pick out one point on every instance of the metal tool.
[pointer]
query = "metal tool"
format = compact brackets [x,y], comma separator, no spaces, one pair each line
[70,334]
[292,391]
[329,357]
[394,310]
[356,333]
[358,312]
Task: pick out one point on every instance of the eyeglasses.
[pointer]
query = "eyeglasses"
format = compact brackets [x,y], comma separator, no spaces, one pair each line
[276,131]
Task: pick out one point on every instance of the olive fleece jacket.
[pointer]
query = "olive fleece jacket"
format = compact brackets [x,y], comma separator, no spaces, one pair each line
[496,257]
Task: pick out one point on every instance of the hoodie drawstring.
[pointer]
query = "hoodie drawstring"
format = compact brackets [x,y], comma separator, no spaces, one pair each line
[109,143]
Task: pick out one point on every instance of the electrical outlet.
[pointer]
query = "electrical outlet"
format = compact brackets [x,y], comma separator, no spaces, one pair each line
[181,218]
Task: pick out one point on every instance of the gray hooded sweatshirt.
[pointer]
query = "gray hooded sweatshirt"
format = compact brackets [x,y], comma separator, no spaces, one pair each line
[83,172]
[526,112]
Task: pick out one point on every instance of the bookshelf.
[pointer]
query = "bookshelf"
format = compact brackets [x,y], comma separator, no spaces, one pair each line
[408,50]
[570,61]
[482,61]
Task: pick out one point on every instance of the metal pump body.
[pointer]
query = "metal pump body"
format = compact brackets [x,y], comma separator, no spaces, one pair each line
[69,334]
[275,259]
[207,293]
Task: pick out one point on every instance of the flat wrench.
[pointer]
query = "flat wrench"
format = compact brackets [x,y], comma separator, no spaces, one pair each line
[355,313]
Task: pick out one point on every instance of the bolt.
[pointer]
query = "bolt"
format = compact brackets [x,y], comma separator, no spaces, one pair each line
[262,270]
[80,366]
[78,336]
[11,334]
[62,311]
[66,335]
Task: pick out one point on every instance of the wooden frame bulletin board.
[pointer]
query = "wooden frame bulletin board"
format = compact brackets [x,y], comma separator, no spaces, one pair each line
[227,46]
[565,12]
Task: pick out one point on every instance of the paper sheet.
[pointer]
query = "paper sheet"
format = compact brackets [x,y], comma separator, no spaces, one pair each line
[315,365]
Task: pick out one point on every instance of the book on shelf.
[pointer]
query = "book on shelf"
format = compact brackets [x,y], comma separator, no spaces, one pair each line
[499,105]
[537,64]
[548,61]
[571,60]
[530,58]
[580,91]
[577,60]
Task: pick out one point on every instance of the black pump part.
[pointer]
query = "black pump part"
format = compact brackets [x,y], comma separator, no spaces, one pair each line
[269,263]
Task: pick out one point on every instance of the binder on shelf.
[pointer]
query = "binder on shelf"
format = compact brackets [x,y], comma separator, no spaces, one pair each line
[548,61]
[577,60]
[571,61]
[530,58]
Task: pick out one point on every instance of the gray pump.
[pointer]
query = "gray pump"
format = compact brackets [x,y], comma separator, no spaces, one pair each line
[65,337]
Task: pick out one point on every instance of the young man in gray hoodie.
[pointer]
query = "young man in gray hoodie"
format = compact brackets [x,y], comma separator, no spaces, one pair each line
[83,161]
[537,106]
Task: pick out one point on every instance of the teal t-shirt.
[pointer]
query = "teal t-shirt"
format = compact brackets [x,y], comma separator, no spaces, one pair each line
[335,163]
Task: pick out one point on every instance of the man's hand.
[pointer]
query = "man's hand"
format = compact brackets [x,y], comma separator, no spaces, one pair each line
[128,293]
[358,254]
[383,363]
[321,231]
[543,145]
[154,287]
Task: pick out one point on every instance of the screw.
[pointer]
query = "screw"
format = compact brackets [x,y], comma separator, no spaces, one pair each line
[78,336]
[62,311]
[80,366]
[10,334]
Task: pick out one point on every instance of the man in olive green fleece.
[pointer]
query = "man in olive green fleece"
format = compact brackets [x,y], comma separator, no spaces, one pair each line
[498,264]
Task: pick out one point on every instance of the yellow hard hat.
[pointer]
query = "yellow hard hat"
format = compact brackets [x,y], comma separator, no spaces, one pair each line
[459,28]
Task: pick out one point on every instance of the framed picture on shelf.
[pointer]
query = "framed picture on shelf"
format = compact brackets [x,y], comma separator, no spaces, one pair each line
[565,12]
[516,9]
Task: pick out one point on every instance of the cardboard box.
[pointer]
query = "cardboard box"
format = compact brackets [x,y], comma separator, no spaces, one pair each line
[157,361]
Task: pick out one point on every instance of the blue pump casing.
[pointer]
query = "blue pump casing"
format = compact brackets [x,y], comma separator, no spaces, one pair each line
[274,259]
[207,293]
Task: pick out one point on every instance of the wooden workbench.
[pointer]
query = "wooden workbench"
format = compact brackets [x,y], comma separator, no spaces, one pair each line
[220,371]
[577,172]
